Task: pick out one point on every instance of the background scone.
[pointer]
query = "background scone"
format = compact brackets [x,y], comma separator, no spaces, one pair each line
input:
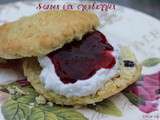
[71,63]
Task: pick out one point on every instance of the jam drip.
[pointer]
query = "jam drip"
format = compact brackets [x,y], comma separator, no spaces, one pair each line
[80,60]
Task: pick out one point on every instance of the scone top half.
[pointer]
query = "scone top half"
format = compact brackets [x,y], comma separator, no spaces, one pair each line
[67,60]
[44,32]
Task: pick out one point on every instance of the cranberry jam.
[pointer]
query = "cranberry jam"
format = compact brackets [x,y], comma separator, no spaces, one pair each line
[80,60]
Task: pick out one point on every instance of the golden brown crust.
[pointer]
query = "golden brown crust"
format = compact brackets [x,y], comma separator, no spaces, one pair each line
[44,32]
[126,77]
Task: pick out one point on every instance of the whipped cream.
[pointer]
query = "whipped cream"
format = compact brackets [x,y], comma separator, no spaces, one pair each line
[81,88]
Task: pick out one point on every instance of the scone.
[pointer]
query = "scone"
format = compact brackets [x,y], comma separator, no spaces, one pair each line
[66,58]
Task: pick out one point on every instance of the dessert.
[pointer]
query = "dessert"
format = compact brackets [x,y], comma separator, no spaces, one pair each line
[67,59]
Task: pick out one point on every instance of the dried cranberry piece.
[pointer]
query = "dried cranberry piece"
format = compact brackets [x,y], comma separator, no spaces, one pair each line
[128,63]
[80,60]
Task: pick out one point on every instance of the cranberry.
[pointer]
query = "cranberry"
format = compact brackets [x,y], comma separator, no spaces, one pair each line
[128,63]
[80,60]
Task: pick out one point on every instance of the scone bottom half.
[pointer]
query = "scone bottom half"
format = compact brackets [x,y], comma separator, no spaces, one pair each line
[127,76]
[70,61]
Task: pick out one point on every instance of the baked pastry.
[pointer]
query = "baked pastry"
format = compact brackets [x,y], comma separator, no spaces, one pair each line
[67,60]
[44,32]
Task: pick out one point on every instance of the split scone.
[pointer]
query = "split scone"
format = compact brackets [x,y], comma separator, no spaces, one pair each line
[67,60]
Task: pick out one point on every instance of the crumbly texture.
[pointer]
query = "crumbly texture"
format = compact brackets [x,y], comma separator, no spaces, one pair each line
[126,77]
[44,32]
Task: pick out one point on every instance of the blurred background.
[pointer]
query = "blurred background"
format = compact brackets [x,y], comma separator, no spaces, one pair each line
[151,7]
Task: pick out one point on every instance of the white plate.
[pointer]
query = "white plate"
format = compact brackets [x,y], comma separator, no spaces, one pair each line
[125,26]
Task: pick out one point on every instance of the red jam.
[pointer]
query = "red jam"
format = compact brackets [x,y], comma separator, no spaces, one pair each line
[80,60]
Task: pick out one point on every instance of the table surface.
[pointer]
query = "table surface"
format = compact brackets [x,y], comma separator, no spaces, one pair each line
[151,7]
